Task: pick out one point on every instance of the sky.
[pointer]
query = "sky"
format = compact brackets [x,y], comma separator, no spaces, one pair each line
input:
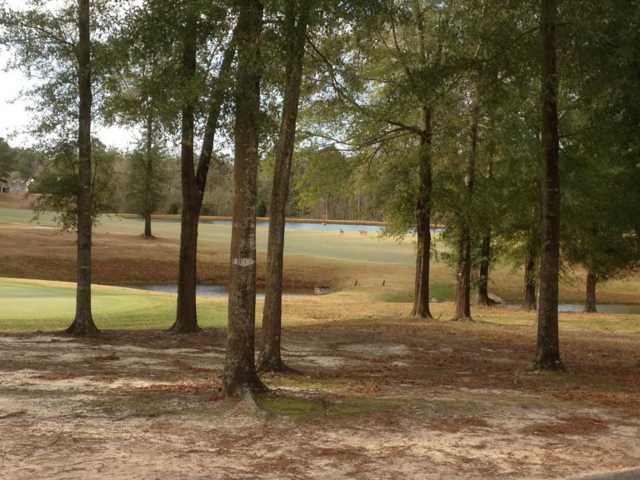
[14,117]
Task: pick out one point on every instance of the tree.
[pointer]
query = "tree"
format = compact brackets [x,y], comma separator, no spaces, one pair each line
[57,43]
[186,316]
[486,253]
[240,377]
[548,348]
[296,19]
[323,173]
[529,295]
[174,74]
[7,159]
[135,99]
[601,201]
[57,183]
[194,177]
[83,323]
[147,183]
[463,287]
[390,77]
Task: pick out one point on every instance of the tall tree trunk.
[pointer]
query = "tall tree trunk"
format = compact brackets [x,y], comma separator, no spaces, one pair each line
[83,323]
[186,315]
[530,274]
[423,222]
[591,305]
[463,288]
[148,178]
[240,376]
[194,181]
[485,264]
[548,348]
[271,357]
[485,248]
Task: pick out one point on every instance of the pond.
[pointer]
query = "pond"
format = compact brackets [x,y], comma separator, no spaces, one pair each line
[309,226]
[302,226]
[318,227]
[613,308]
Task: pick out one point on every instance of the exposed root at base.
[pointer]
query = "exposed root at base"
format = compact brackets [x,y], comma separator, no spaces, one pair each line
[462,319]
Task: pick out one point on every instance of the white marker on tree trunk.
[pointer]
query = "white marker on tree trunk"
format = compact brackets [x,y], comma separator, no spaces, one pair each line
[243,262]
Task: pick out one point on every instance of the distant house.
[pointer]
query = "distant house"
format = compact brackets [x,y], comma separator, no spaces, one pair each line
[13,184]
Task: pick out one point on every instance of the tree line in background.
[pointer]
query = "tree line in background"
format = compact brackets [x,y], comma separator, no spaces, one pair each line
[513,124]
[316,191]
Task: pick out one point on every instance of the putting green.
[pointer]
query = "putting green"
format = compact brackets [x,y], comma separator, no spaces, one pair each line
[28,305]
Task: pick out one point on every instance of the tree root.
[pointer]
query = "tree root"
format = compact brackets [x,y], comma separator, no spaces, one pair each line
[462,319]
[82,329]
[180,329]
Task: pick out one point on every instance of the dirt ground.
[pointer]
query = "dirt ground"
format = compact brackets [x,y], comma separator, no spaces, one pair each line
[373,398]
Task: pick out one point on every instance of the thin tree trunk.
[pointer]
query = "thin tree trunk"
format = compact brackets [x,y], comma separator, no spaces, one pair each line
[271,357]
[485,264]
[148,234]
[530,285]
[485,248]
[83,323]
[218,97]
[194,183]
[148,179]
[591,305]
[463,277]
[240,376]
[186,315]
[421,308]
[548,347]
[463,288]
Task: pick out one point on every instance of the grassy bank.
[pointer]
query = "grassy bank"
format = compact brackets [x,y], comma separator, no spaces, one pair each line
[313,258]
[32,305]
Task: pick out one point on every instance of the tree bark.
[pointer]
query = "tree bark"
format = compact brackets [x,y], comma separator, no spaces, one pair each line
[296,19]
[240,376]
[148,234]
[485,248]
[591,305]
[463,288]
[148,179]
[421,308]
[83,323]
[530,285]
[548,347]
[194,181]
[485,264]
[186,315]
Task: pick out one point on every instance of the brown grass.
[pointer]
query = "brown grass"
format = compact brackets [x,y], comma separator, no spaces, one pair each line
[573,425]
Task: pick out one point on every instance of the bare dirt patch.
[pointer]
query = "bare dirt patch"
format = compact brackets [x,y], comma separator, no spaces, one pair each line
[572,425]
[147,405]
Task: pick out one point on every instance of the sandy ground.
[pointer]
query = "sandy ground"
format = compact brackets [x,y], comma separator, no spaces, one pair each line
[379,399]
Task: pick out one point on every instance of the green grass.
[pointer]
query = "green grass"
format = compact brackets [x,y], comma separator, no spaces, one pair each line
[16,215]
[31,305]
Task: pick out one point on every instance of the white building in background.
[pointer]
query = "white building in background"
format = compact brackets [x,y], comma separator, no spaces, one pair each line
[14,184]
